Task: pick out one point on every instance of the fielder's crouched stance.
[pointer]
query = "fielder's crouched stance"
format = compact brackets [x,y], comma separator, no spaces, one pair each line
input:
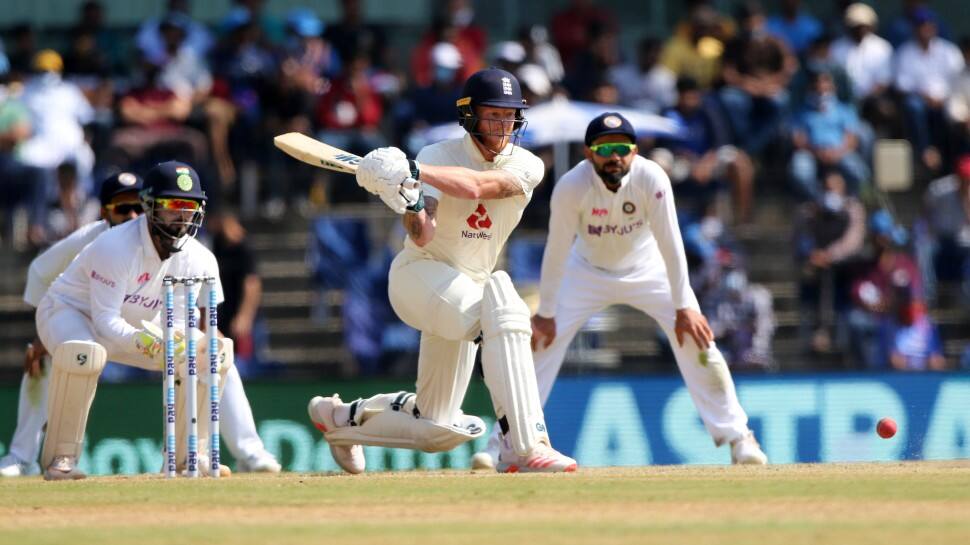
[97,308]
[443,284]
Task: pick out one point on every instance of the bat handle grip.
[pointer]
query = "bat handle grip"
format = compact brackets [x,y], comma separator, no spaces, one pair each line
[410,183]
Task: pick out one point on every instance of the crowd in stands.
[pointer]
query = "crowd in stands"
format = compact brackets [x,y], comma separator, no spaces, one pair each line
[761,98]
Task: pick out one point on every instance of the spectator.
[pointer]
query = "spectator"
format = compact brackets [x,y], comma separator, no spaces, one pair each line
[947,204]
[20,183]
[149,38]
[570,28]
[829,236]
[434,104]
[152,119]
[87,66]
[59,112]
[697,51]
[817,57]
[795,27]
[878,290]
[270,30]
[706,154]
[535,40]
[646,85]
[592,66]
[958,103]
[461,14]
[757,69]
[350,36]
[443,30]
[909,340]
[825,135]
[239,314]
[867,59]
[508,55]
[741,316]
[925,69]
[902,29]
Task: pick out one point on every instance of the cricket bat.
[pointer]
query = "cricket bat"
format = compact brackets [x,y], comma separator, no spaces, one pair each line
[314,152]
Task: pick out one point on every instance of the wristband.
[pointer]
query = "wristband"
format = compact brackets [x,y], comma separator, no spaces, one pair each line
[417,206]
[415,170]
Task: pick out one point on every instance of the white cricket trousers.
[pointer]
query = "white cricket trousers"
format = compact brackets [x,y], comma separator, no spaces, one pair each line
[586,290]
[238,428]
[445,306]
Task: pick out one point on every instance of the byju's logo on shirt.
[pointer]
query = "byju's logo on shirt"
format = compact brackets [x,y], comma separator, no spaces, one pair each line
[479,221]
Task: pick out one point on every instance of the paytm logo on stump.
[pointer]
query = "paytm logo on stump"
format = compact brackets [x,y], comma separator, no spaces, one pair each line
[819,418]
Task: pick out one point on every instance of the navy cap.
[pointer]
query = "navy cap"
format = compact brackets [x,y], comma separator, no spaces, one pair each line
[609,123]
[173,179]
[117,184]
[492,87]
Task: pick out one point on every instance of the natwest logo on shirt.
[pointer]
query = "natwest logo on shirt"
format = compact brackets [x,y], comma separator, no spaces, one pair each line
[479,218]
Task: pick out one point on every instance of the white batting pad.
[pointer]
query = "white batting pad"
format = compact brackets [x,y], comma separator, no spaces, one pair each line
[507,363]
[74,380]
[400,429]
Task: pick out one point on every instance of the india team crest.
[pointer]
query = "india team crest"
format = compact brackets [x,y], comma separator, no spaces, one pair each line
[184,181]
[127,179]
[612,122]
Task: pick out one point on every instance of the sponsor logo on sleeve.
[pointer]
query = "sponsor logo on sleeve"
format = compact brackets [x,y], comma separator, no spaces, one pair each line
[95,275]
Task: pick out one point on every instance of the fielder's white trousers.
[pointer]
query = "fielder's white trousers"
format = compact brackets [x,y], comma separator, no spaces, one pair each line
[237,426]
[586,290]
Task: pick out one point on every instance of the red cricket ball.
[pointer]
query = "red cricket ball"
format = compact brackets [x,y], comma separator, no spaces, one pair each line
[886,428]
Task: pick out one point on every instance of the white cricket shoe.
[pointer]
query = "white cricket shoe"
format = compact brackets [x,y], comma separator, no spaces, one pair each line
[542,459]
[63,468]
[12,466]
[259,462]
[350,459]
[746,450]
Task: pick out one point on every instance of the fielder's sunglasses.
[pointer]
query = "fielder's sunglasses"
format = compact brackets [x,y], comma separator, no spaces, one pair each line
[620,148]
[125,208]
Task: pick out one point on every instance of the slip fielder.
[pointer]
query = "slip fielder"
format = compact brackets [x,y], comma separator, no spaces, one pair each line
[443,283]
[614,239]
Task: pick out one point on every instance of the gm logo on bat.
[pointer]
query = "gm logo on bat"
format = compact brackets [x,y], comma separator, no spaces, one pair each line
[346,158]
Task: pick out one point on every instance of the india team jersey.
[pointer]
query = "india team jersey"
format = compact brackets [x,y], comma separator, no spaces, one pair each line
[52,261]
[614,232]
[117,282]
[469,234]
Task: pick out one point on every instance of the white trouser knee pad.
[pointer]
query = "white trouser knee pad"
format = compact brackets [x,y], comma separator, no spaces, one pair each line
[74,379]
[507,364]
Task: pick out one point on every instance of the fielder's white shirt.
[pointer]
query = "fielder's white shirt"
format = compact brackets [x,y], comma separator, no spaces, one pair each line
[469,234]
[52,261]
[117,282]
[617,233]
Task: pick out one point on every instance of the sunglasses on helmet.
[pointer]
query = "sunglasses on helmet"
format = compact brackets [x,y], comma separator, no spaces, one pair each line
[608,149]
[169,203]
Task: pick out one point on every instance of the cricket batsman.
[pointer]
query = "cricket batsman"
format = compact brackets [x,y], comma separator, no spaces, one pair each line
[460,201]
[119,203]
[96,309]
[614,239]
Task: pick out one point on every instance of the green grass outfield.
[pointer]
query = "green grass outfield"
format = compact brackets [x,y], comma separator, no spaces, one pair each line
[914,503]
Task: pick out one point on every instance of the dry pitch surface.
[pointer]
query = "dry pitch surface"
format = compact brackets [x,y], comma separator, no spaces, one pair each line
[905,503]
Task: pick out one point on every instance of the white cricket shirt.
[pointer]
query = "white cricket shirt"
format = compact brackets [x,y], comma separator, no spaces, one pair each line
[614,232]
[469,234]
[117,282]
[52,261]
